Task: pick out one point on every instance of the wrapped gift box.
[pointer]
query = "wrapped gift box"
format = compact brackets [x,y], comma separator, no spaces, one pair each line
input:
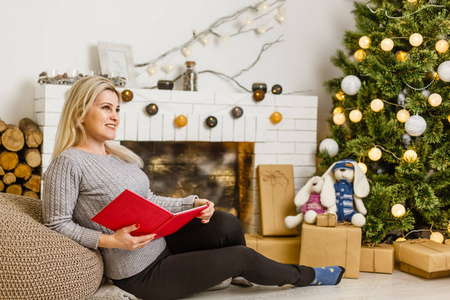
[328,246]
[416,271]
[447,242]
[377,259]
[423,254]
[276,194]
[281,249]
[326,220]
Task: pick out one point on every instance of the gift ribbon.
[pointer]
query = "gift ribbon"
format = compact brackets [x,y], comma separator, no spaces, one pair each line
[372,245]
[275,178]
[427,244]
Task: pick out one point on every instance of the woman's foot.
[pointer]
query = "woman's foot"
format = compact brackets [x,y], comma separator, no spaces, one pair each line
[330,275]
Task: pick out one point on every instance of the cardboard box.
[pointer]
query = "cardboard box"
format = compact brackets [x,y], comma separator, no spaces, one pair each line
[423,254]
[326,220]
[330,246]
[377,259]
[281,249]
[428,275]
[276,194]
[447,241]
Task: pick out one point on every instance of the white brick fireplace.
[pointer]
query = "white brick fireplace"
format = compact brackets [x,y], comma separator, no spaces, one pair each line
[292,141]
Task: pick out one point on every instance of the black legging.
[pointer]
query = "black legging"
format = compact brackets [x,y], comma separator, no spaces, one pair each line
[200,256]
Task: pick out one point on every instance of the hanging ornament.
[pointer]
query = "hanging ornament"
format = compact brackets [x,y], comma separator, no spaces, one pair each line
[276,117]
[437,237]
[415,125]
[338,110]
[375,154]
[363,167]
[152,109]
[329,145]
[259,86]
[259,95]
[350,84]
[181,121]
[398,210]
[387,44]
[376,105]
[277,89]
[152,69]
[340,96]
[211,121]
[410,156]
[204,39]
[167,68]
[406,140]
[339,119]
[401,99]
[425,93]
[435,100]
[360,55]
[448,118]
[416,39]
[364,42]
[237,112]
[401,56]
[444,71]
[403,115]
[127,95]
[355,116]
[186,51]
[441,46]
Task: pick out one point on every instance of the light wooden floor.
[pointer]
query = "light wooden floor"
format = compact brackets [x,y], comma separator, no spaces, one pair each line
[399,285]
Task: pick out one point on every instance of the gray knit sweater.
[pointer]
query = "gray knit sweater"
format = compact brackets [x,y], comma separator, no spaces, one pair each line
[78,184]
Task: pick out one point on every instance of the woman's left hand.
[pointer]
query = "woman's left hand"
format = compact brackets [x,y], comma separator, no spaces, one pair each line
[207,213]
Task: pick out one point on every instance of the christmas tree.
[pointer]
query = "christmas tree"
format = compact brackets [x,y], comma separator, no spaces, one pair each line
[391,112]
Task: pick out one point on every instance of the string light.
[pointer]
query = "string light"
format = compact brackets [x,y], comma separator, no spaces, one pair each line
[375,154]
[416,39]
[127,95]
[355,115]
[360,55]
[364,42]
[276,117]
[339,119]
[376,105]
[340,96]
[363,167]
[435,99]
[410,156]
[181,121]
[441,46]
[403,115]
[398,210]
[437,237]
[338,110]
[387,44]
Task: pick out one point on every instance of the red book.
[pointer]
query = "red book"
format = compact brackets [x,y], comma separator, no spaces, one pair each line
[130,208]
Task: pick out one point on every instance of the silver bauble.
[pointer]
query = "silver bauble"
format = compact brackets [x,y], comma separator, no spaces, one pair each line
[444,71]
[350,84]
[401,99]
[330,145]
[415,125]
[406,140]
[426,93]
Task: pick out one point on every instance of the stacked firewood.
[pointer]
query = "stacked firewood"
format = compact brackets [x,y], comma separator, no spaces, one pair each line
[20,158]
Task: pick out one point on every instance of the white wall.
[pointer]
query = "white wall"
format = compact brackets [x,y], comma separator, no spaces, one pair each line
[50,34]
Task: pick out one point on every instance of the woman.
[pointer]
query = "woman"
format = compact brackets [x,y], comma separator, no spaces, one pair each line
[88,171]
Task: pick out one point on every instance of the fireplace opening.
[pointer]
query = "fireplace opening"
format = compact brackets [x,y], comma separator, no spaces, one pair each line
[217,171]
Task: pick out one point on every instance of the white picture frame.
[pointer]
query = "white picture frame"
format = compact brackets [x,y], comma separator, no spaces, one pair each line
[116,60]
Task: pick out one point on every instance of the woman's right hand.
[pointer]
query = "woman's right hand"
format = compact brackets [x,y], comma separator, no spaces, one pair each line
[123,239]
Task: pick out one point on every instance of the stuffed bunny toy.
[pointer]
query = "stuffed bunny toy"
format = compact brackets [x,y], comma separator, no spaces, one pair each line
[350,186]
[309,203]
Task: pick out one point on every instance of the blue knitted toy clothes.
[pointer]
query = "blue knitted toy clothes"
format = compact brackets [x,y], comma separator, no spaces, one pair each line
[344,200]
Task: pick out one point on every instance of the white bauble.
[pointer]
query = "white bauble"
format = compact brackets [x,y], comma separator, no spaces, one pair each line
[415,125]
[330,145]
[444,71]
[401,99]
[350,84]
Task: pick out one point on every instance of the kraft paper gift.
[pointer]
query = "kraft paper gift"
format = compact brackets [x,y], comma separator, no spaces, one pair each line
[428,275]
[447,242]
[281,249]
[331,246]
[423,254]
[377,259]
[326,220]
[276,194]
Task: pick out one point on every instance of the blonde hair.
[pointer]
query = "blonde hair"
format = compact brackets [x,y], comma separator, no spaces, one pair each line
[78,102]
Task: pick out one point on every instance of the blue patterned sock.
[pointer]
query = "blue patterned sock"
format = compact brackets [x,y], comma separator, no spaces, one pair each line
[330,275]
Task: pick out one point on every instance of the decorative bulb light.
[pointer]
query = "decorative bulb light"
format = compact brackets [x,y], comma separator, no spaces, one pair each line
[186,51]
[211,121]
[204,39]
[340,96]
[363,167]
[355,116]
[276,117]
[277,89]
[127,95]
[364,42]
[338,110]
[224,38]
[181,120]
[339,119]
[401,56]
[448,118]
[152,109]
[412,1]
[437,237]
[400,239]
[237,112]
[280,18]
[441,46]
[410,156]
[167,68]
[398,210]
[259,95]
[416,39]
[403,115]
[375,154]
[152,69]
[435,100]
[376,105]
[387,44]
[360,55]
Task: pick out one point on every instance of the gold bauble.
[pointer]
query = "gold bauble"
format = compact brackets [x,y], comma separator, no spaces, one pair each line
[410,156]
[181,120]
[435,100]
[364,42]
[340,96]
[355,116]
[339,119]
[441,46]
[360,55]
[398,210]
[403,115]
[363,167]
[387,44]
[375,154]
[437,237]
[276,117]
[259,95]
[416,39]
[338,110]
[448,118]
[127,95]
[402,56]
[376,105]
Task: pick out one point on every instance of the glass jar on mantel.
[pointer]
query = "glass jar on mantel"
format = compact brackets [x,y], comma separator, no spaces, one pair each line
[190,77]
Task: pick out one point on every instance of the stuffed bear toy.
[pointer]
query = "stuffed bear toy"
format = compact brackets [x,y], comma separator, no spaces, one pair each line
[309,203]
[350,186]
